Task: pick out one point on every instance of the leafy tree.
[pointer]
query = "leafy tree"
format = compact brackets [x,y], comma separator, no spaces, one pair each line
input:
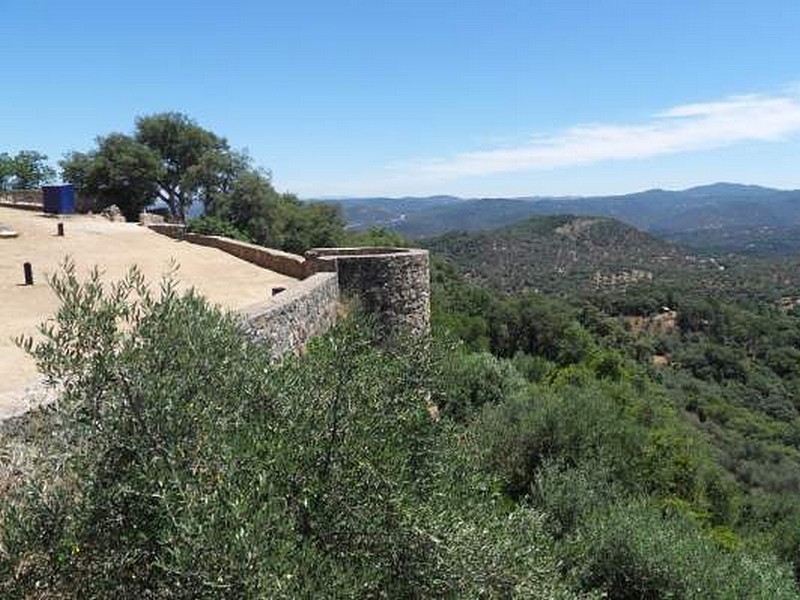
[196,163]
[169,157]
[279,220]
[209,225]
[25,171]
[31,170]
[215,175]
[251,205]
[307,226]
[6,171]
[120,171]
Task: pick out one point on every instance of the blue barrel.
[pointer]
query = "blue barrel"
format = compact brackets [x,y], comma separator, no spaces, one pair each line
[59,199]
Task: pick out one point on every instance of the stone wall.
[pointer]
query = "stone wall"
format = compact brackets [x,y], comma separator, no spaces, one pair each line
[289,320]
[269,258]
[169,229]
[147,219]
[26,199]
[391,283]
[34,200]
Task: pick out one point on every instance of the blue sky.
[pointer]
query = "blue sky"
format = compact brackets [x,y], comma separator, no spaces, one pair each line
[425,97]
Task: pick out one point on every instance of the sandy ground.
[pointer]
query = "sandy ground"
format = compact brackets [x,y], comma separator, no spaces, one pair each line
[114,247]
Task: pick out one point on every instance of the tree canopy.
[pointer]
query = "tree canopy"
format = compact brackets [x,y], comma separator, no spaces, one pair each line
[26,170]
[120,171]
[195,164]
[168,157]
[172,158]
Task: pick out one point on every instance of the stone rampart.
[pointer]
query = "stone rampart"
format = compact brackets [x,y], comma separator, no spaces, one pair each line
[269,258]
[169,229]
[393,284]
[285,263]
[289,320]
[25,199]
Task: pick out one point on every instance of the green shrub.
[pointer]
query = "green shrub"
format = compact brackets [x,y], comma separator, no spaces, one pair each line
[534,368]
[631,435]
[211,225]
[472,380]
[630,551]
[576,425]
[181,463]
[569,495]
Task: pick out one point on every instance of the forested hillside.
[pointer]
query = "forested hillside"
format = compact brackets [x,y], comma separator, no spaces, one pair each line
[573,256]
[726,370]
[563,253]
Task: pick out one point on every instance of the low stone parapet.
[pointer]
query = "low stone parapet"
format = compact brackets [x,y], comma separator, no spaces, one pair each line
[390,284]
[147,219]
[289,320]
[393,284]
[24,199]
[169,229]
[285,263]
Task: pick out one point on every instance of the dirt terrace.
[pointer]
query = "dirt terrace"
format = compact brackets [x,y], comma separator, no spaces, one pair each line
[114,247]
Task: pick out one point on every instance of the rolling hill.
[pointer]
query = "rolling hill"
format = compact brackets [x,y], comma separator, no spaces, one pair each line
[721,216]
[563,252]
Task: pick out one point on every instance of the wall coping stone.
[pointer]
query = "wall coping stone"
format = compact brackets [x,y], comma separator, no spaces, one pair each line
[275,303]
[379,251]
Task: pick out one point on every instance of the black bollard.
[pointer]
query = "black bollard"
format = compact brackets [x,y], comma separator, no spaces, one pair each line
[28,273]
[60,230]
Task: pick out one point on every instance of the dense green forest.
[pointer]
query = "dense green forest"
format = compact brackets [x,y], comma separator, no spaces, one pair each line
[725,363]
[589,257]
[570,444]
[562,254]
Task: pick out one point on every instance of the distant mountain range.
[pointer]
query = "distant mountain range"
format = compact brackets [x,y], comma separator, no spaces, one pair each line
[720,217]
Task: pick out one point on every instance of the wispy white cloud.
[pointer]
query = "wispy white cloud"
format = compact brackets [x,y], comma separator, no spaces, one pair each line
[683,128]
